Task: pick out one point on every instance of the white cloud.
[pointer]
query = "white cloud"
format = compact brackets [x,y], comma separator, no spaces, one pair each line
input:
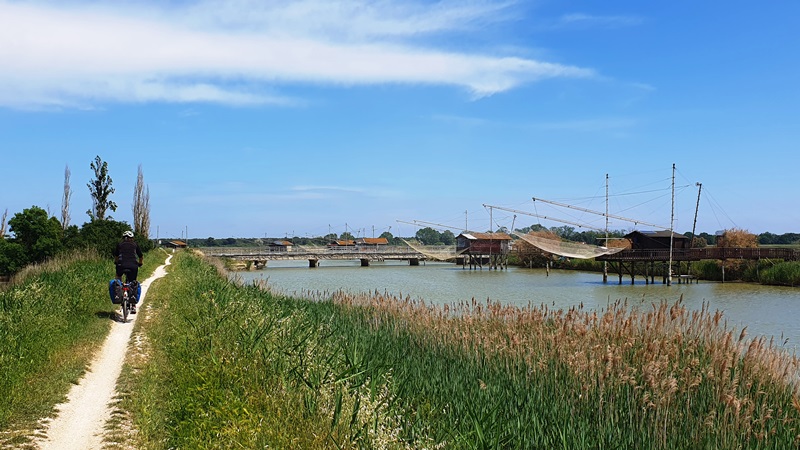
[347,19]
[237,52]
[587,20]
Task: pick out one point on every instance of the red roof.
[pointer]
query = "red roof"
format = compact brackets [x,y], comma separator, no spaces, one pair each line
[376,241]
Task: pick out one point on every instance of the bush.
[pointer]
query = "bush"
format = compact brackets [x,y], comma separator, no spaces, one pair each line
[784,274]
[103,235]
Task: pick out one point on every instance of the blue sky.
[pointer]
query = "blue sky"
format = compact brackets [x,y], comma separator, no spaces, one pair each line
[279,118]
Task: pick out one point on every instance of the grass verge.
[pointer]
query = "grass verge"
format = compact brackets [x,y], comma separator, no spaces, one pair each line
[238,367]
[53,317]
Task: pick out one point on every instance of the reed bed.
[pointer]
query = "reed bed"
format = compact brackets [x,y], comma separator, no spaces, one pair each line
[784,273]
[243,367]
[662,377]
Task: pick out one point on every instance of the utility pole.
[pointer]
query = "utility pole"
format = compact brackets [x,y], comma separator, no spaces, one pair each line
[694,225]
[671,226]
[696,209]
[491,236]
[605,263]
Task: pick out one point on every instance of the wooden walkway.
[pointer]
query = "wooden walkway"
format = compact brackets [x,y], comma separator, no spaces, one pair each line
[697,254]
[644,262]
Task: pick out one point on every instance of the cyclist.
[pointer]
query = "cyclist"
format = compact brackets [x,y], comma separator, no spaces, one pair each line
[128,257]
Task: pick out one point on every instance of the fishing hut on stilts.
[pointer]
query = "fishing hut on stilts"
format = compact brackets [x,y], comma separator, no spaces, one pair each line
[477,250]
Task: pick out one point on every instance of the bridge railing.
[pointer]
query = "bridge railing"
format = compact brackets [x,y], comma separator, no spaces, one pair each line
[308,250]
[696,254]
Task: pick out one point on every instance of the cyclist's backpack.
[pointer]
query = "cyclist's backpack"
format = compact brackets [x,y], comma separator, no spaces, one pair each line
[115,291]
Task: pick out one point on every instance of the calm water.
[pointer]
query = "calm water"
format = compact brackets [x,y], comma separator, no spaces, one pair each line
[765,310]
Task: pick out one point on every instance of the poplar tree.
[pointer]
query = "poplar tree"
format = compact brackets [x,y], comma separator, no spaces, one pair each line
[65,200]
[3,224]
[141,206]
[100,188]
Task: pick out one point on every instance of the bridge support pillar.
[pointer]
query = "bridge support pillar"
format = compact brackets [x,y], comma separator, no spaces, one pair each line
[413,262]
[633,272]
[312,263]
[364,262]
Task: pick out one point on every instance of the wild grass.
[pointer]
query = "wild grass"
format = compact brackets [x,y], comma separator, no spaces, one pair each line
[244,368]
[784,273]
[52,318]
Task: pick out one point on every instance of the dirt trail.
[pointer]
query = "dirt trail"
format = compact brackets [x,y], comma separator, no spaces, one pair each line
[81,419]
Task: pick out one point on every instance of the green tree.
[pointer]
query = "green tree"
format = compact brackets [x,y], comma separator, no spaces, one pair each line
[100,188]
[448,238]
[103,235]
[428,236]
[564,232]
[12,257]
[39,235]
[141,206]
[72,237]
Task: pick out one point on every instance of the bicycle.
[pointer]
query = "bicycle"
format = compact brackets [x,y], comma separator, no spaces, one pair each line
[127,295]
[126,300]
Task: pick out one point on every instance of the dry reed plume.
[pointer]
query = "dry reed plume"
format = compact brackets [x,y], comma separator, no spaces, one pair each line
[660,359]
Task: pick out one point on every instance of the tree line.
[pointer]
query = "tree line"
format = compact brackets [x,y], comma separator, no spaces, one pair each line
[430,236]
[33,235]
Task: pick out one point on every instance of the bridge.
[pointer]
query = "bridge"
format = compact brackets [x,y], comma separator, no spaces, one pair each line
[260,256]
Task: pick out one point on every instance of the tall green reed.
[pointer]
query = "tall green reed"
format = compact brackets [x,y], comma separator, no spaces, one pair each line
[242,367]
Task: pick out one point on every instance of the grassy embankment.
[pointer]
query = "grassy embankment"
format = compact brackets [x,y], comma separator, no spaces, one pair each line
[243,368]
[53,317]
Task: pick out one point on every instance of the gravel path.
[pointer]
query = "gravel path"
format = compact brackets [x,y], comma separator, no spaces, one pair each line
[81,419]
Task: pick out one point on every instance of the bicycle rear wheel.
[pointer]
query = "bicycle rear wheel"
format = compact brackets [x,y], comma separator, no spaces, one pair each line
[125,307]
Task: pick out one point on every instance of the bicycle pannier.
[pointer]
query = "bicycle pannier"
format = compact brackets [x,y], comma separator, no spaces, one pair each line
[115,291]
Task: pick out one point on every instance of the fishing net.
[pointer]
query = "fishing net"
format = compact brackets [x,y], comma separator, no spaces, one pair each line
[566,248]
[439,254]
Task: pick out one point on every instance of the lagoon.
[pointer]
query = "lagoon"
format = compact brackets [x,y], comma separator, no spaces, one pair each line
[770,311]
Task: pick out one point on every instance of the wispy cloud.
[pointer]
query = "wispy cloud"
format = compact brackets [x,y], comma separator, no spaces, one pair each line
[593,21]
[347,19]
[237,52]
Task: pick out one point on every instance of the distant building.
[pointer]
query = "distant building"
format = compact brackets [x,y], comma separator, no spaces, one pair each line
[483,243]
[342,245]
[371,243]
[280,246]
[478,249]
[174,244]
[656,240]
